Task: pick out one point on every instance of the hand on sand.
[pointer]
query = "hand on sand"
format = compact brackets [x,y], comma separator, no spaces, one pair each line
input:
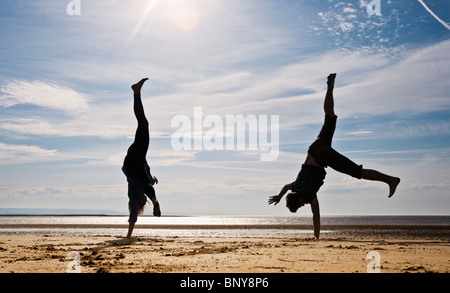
[156,209]
[312,239]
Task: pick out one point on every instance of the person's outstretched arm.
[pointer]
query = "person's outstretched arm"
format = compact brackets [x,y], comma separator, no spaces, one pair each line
[276,198]
[316,217]
[130,229]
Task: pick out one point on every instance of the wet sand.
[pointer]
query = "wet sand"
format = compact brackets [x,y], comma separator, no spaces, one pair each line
[350,249]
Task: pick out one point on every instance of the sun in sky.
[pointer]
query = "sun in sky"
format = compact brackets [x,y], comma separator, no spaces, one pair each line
[186,19]
[184,15]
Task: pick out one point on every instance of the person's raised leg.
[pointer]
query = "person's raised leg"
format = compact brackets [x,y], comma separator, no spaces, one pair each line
[327,131]
[137,106]
[138,150]
[344,165]
[137,86]
[328,105]
[374,175]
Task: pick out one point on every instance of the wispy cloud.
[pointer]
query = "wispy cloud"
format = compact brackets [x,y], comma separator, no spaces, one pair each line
[360,132]
[386,85]
[55,192]
[416,83]
[24,154]
[350,26]
[42,94]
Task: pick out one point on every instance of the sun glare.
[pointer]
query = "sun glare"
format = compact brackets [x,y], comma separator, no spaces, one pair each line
[142,20]
[186,19]
[161,16]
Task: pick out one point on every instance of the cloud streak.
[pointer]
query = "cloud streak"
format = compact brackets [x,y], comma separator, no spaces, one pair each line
[446,25]
[42,94]
[25,154]
[367,84]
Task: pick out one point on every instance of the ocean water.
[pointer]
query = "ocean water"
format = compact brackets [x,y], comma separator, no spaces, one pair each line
[201,226]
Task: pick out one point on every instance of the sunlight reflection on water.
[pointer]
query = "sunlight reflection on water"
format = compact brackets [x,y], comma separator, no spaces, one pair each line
[202,226]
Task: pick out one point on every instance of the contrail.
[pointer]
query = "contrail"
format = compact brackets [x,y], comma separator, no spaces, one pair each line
[434,15]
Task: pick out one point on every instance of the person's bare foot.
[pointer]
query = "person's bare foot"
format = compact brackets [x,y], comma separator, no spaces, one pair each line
[393,185]
[137,86]
[330,79]
[156,209]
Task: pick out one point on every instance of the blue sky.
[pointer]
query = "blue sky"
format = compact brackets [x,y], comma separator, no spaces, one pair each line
[66,116]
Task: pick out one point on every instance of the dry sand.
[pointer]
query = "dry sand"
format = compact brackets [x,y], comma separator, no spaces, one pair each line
[340,253]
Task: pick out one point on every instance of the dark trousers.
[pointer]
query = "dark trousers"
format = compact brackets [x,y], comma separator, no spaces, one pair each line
[325,155]
[135,160]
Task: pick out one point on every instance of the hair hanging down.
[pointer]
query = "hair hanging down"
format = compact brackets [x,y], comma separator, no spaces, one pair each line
[141,204]
[292,201]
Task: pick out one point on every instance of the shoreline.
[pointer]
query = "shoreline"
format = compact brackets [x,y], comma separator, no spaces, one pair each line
[405,231]
[234,226]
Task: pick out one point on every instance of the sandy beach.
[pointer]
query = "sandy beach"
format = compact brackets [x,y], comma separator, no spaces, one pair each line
[350,250]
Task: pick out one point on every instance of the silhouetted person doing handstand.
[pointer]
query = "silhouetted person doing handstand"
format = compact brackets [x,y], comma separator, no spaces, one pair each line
[135,166]
[320,155]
